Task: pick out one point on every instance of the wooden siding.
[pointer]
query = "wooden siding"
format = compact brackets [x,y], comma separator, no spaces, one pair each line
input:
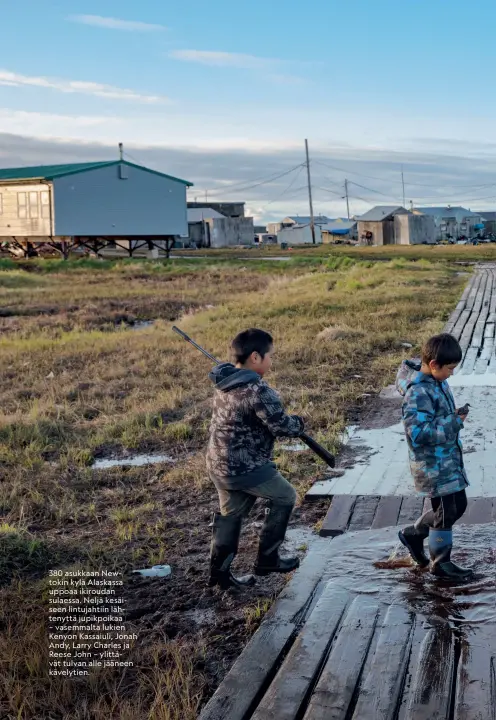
[11,225]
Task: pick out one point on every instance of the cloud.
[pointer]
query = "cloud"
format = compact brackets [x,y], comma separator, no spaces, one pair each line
[239,61]
[13,79]
[116,23]
[224,59]
[431,178]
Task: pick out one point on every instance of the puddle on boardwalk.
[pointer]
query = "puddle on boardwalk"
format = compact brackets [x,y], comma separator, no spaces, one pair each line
[375,563]
[131,461]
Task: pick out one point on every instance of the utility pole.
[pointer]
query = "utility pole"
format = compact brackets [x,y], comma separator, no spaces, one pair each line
[121,151]
[206,196]
[347,198]
[312,221]
[403,183]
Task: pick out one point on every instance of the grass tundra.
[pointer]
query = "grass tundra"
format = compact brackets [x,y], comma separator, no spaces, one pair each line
[80,381]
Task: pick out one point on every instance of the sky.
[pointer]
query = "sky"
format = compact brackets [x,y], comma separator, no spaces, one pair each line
[223,94]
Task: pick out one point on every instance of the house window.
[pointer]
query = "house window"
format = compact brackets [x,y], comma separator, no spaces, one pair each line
[45,205]
[21,205]
[33,204]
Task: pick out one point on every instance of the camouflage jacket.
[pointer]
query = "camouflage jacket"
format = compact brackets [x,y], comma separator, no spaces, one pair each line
[247,417]
[432,430]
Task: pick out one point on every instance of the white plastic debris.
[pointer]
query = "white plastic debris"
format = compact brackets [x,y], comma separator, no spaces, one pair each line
[155,571]
[50,376]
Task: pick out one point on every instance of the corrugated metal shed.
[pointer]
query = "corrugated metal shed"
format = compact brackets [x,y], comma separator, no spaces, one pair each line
[381,212]
[50,172]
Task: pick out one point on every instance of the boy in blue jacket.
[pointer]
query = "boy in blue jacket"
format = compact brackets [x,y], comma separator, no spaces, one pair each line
[432,425]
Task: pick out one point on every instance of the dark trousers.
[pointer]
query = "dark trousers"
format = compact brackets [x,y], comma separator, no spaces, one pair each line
[446,510]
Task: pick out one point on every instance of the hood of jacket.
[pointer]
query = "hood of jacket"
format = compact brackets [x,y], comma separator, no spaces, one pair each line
[227,376]
[410,374]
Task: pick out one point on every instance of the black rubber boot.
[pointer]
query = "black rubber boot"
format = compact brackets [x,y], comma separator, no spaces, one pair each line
[440,546]
[271,538]
[413,539]
[225,539]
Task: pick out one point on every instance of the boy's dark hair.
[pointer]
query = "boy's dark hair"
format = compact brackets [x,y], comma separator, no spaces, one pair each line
[444,349]
[250,341]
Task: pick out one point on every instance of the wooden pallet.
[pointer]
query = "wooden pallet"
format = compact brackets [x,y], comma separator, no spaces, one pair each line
[365,512]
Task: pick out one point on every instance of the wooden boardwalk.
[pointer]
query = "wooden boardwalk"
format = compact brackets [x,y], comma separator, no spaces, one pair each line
[473,323]
[348,640]
[365,512]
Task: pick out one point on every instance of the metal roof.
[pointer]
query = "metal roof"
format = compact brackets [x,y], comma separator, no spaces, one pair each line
[50,172]
[339,227]
[447,211]
[198,214]
[487,215]
[381,212]
[305,219]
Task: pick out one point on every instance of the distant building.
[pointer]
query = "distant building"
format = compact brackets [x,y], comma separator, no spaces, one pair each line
[394,225]
[299,235]
[376,227]
[339,229]
[452,222]
[489,220]
[209,228]
[296,221]
[115,201]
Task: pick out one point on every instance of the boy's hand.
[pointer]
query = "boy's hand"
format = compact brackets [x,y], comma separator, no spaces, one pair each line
[463,412]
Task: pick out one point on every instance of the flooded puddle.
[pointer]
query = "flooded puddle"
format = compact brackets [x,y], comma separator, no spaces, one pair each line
[296,447]
[374,563]
[137,325]
[131,461]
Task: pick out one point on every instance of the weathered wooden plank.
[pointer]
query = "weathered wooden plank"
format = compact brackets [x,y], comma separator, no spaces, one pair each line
[476,681]
[431,693]
[411,509]
[338,516]
[418,635]
[287,692]
[468,330]
[333,694]
[489,330]
[459,327]
[244,682]
[380,692]
[479,510]
[459,317]
[235,696]
[468,364]
[387,511]
[363,512]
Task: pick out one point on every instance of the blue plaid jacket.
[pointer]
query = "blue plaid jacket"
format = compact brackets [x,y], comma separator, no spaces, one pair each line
[432,430]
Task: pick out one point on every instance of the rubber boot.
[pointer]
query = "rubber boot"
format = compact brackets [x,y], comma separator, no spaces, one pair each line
[413,538]
[225,539]
[271,538]
[440,546]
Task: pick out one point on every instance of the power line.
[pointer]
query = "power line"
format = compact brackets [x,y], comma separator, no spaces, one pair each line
[397,182]
[286,190]
[269,179]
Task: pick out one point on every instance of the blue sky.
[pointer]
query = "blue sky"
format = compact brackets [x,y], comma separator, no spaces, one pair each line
[236,87]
